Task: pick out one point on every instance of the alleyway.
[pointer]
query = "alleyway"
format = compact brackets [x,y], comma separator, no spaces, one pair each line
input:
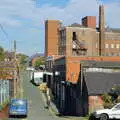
[36,103]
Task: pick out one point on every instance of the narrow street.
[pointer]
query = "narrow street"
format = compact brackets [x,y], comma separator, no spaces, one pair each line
[35,100]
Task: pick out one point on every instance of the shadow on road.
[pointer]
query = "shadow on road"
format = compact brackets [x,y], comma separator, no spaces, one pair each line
[93,118]
[31,81]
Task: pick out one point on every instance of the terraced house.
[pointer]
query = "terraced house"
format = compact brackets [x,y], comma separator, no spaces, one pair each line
[8,79]
[78,56]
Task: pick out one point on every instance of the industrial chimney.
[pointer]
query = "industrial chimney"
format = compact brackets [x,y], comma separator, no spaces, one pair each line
[101,30]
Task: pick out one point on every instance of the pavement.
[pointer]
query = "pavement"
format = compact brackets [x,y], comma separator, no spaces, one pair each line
[53,109]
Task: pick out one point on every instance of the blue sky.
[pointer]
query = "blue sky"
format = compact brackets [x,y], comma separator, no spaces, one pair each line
[23,20]
[60,3]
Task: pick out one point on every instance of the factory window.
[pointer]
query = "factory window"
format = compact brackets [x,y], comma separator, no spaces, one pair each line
[106,46]
[117,46]
[109,54]
[64,42]
[63,33]
[112,54]
[106,54]
[74,36]
[96,45]
[112,45]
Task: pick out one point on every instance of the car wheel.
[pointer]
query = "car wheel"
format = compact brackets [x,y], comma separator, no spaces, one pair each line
[92,118]
[104,117]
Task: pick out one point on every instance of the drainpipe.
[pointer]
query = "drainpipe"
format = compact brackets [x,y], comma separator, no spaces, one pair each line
[81,69]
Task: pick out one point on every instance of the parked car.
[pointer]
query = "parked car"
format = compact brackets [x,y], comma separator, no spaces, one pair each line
[18,107]
[106,114]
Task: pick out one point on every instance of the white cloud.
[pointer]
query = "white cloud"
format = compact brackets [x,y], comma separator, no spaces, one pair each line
[20,12]
[12,11]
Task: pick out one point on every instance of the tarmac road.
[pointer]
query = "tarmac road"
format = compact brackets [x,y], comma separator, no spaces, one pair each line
[37,110]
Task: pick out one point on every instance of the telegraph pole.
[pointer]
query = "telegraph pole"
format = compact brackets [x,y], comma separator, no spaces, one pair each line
[15,49]
[15,80]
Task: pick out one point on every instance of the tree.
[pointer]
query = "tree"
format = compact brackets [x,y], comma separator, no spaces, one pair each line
[107,99]
[1,54]
[112,97]
[39,61]
[22,58]
[115,92]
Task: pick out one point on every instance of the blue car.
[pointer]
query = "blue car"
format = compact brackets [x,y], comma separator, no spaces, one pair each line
[18,107]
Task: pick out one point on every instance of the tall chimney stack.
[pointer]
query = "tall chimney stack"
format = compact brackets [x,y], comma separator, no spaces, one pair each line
[101,30]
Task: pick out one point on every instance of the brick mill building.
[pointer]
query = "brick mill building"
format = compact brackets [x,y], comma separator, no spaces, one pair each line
[78,57]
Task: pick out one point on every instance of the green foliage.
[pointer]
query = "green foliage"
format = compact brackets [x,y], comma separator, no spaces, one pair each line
[115,90]
[40,61]
[1,54]
[107,100]
[112,97]
[4,104]
[22,59]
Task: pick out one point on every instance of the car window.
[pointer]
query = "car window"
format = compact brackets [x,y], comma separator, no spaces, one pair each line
[15,103]
[117,107]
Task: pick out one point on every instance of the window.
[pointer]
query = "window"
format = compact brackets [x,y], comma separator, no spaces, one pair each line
[112,45]
[106,46]
[74,36]
[117,107]
[117,46]
[96,45]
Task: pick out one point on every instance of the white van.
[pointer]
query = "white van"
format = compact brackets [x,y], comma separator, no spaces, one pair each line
[37,77]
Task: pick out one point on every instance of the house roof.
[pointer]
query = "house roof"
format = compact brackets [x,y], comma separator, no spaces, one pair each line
[100,64]
[7,64]
[76,25]
[7,69]
[9,54]
[100,82]
[116,30]
[6,75]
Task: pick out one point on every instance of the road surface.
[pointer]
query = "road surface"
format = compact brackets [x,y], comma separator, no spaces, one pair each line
[36,102]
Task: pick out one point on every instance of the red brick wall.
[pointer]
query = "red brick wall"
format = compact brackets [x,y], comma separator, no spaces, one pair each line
[95,103]
[73,66]
[51,37]
[89,21]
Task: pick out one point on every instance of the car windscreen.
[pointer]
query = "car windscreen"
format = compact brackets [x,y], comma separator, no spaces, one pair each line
[18,103]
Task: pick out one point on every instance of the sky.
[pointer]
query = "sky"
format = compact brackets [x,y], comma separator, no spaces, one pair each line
[23,20]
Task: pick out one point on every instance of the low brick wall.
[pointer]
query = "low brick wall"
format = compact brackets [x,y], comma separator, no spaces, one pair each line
[4,113]
[95,103]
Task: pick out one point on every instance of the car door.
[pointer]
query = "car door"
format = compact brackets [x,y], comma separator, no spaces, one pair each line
[115,111]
